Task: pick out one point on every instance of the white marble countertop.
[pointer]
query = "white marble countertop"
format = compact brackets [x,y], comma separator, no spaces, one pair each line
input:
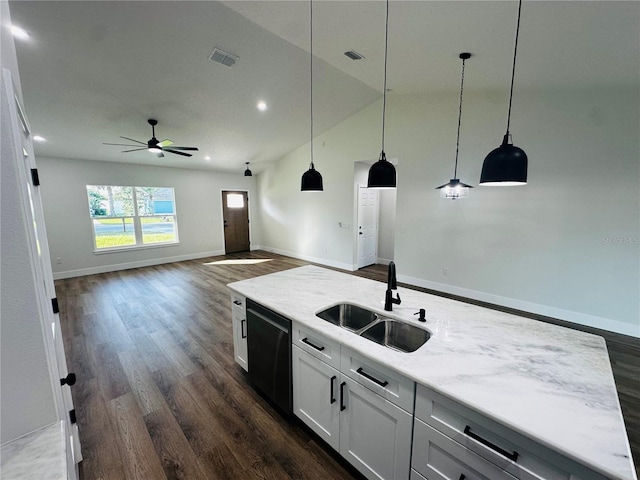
[549,383]
[40,454]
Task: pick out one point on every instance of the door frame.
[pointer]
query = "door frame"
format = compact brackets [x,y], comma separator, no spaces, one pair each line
[356,224]
[247,191]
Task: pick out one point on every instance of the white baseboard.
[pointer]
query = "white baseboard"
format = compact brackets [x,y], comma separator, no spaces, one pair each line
[322,261]
[585,319]
[125,266]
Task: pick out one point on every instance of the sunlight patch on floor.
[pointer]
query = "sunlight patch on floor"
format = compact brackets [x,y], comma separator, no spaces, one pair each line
[247,261]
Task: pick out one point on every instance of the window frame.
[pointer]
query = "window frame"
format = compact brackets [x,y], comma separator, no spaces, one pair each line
[137,222]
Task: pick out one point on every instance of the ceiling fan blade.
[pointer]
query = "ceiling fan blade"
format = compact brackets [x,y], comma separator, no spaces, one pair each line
[121,144]
[134,140]
[134,150]
[176,152]
[165,143]
[184,148]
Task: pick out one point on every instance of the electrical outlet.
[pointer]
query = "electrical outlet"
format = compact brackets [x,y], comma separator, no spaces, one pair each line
[58,260]
[445,271]
[325,249]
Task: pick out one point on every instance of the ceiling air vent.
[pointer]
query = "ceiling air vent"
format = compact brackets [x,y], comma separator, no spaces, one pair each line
[224,58]
[353,55]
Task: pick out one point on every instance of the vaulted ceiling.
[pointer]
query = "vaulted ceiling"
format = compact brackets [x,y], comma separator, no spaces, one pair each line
[93,71]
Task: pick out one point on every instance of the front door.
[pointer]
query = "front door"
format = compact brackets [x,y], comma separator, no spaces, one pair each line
[235,214]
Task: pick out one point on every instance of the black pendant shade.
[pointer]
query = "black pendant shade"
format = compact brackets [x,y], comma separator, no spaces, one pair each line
[247,172]
[311,180]
[382,174]
[507,164]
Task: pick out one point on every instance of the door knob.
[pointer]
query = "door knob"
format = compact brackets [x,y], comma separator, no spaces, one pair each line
[68,380]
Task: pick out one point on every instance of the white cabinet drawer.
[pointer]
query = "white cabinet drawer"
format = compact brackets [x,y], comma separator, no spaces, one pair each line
[438,457]
[317,345]
[387,383]
[238,306]
[510,451]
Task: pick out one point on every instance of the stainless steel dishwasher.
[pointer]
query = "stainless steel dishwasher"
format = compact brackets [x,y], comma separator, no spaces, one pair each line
[269,354]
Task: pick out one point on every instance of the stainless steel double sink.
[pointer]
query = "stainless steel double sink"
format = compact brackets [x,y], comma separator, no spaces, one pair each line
[368,324]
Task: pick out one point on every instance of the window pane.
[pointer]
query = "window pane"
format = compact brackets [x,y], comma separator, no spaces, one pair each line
[110,201]
[113,232]
[235,200]
[155,201]
[158,229]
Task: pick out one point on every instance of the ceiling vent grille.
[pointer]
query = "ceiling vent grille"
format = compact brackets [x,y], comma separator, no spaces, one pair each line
[353,55]
[226,59]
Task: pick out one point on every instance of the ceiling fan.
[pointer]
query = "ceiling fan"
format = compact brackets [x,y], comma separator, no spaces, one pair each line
[153,145]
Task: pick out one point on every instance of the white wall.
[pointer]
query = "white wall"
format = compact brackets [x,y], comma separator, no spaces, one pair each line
[565,245]
[198,207]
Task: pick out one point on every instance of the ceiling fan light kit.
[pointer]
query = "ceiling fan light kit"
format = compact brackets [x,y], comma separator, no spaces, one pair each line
[507,164]
[311,179]
[154,146]
[455,188]
[382,174]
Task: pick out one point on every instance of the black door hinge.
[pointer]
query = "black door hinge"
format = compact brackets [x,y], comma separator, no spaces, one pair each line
[72,415]
[35,178]
[54,304]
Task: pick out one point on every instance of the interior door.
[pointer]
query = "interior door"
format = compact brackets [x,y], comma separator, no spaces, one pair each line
[42,269]
[367,242]
[235,213]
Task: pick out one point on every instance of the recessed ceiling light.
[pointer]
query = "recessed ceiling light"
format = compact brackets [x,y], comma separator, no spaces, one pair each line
[207,157]
[262,106]
[19,32]
[38,138]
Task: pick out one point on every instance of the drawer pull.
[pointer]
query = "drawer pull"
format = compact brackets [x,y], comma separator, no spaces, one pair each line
[242,334]
[237,302]
[373,379]
[332,398]
[511,456]
[342,407]
[305,340]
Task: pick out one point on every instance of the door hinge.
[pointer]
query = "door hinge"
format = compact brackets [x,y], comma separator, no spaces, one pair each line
[35,178]
[72,416]
[54,305]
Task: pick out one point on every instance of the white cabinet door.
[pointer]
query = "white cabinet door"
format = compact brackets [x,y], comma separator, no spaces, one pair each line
[239,324]
[316,395]
[375,434]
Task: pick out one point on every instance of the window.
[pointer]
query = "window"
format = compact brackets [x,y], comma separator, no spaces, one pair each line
[131,217]
[235,200]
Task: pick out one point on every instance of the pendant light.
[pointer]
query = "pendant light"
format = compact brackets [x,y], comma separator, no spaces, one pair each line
[247,172]
[455,188]
[382,174]
[311,179]
[507,164]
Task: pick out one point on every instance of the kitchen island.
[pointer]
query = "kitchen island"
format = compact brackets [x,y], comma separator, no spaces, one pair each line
[550,384]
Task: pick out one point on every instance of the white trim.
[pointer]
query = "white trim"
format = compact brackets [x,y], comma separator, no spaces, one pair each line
[128,248]
[308,258]
[579,318]
[143,263]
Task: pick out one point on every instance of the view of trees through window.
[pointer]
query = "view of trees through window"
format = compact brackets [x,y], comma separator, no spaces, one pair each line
[124,216]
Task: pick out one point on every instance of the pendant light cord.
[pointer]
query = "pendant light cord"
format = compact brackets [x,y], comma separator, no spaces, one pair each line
[384,92]
[455,169]
[513,70]
[311,61]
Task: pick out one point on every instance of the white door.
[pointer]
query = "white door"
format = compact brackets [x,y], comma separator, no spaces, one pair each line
[375,434]
[316,395]
[42,269]
[368,201]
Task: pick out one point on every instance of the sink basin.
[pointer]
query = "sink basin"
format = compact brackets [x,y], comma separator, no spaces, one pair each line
[397,335]
[348,316]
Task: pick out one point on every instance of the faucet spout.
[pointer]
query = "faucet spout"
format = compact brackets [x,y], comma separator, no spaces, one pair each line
[392,284]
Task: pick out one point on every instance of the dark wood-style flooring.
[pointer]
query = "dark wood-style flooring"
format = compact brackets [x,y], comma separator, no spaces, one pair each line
[159,395]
